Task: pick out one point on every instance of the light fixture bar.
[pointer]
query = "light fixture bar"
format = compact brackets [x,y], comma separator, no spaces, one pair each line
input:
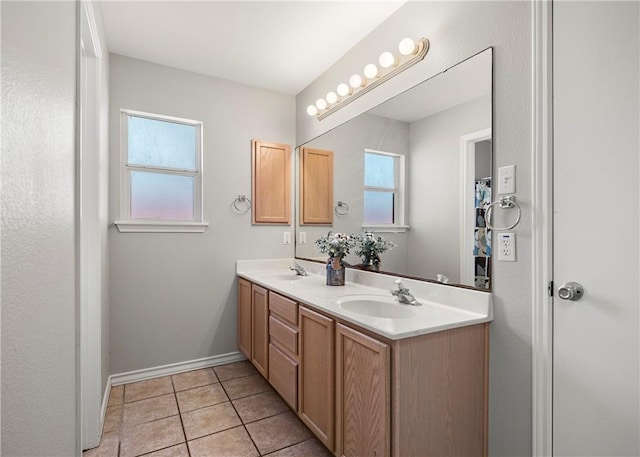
[422,47]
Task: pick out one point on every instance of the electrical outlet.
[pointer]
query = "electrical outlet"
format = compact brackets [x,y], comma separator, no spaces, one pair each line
[287,238]
[303,238]
[507,247]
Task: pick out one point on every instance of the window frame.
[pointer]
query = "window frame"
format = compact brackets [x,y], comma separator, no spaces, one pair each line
[399,194]
[129,224]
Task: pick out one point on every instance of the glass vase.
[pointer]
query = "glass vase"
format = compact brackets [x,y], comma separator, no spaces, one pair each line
[335,272]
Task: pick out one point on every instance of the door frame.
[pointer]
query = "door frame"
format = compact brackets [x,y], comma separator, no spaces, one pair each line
[467,209]
[542,227]
[89,269]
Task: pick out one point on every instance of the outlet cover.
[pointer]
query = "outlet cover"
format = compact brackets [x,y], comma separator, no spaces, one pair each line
[506,247]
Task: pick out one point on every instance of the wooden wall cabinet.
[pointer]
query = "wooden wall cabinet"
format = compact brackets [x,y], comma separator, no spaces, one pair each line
[316,384]
[271,183]
[363,394]
[316,186]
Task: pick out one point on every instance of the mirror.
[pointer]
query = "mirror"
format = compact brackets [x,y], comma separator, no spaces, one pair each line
[417,171]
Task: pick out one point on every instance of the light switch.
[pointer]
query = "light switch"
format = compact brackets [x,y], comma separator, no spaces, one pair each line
[287,238]
[303,237]
[507,180]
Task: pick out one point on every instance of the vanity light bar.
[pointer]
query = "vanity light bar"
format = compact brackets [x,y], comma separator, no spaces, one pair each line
[389,65]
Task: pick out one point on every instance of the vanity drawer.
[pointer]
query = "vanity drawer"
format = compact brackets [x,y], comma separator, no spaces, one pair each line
[285,337]
[283,376]
[283,307]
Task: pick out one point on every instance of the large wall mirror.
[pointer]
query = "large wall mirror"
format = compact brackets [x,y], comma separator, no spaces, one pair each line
[416,170]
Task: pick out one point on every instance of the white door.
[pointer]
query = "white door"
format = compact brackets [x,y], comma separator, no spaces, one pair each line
[596,231]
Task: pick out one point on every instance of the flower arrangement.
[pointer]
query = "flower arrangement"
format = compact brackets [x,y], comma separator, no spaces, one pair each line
[370,246]
[337,245]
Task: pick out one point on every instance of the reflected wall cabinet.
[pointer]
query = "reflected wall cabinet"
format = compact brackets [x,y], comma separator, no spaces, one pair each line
[271,183]
[316,186]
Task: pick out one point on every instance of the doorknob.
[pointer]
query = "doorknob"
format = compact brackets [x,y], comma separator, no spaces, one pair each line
[571,291]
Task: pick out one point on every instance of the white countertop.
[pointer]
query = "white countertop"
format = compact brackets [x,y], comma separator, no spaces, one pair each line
[442,307]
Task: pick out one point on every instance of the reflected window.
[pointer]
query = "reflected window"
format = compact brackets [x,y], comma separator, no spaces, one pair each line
[383,188]
[161,174]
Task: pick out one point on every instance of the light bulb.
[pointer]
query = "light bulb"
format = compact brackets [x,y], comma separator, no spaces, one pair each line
[387,60]
[356,81]
[370,71]
[312,110]
[407,46]
[321,103]
[332,97]
[343,89]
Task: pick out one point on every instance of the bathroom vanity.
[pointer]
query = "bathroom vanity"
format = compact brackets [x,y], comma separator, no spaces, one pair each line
[368,376]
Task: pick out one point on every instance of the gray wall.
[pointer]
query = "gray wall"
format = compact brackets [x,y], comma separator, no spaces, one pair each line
[173,296]
[458,30]
[434,187]
[38,255]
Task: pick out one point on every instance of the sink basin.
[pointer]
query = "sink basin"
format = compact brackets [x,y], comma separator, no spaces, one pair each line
[376,306]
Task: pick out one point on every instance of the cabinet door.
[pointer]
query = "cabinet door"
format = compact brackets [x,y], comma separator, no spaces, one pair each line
[362,395]
[315,388]
[244,317]
[260,329]
[283,375]
[271,190]
[316,186]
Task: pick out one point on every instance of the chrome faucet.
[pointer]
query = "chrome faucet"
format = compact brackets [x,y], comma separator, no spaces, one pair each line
[299,269]
[403,294]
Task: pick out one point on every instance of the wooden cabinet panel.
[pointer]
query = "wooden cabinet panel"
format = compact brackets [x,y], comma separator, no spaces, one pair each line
[362,395]
[283,376]
[316,186]
[244,317]
[283,336]
[271,183]
[260,329]
[316,383]
[285,308]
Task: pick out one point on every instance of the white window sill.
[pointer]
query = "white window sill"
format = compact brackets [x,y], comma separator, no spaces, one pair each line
[160,227]
[385,228]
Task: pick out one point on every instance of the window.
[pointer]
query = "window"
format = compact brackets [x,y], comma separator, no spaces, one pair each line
[383,190]
[161,173]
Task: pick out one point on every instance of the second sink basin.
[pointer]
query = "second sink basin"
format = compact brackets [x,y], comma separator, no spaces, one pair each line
[381,306]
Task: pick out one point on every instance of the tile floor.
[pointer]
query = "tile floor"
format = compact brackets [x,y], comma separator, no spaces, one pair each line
[229,410]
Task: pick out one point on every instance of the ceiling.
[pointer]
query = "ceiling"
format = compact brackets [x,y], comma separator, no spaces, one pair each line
[280,46]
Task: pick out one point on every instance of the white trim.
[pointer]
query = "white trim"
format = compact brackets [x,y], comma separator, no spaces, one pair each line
[542,228]
[89,257]
[138,226]
[385,228]
[467,209]
[175,368]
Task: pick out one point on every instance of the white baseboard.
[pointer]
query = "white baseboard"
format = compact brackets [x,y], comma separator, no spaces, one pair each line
[171,369]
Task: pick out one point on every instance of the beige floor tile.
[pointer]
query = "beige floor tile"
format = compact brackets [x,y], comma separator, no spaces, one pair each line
[108,447]
[243,387]
[259,406]
[150,409]
[278,432]
[200,397]
[151,436]
[147,389]
[309,448]
[234,370]
[196,378]
[212,419]
[230,443]
[174,451]
[116,396]
[112,419]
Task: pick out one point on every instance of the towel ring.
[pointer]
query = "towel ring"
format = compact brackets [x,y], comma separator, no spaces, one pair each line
[505,202]
[244,202]
[341,209]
